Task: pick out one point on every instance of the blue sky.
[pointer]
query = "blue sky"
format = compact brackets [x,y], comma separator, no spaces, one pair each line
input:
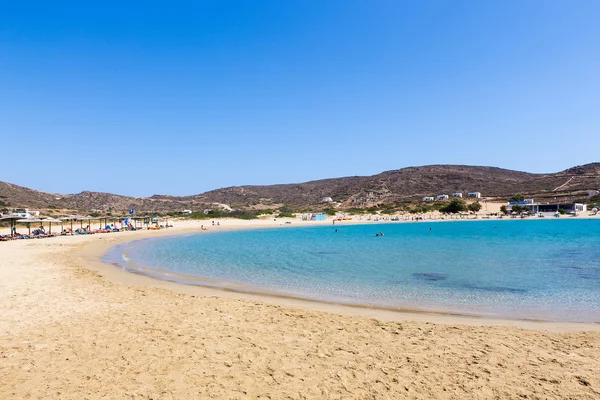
[184,97]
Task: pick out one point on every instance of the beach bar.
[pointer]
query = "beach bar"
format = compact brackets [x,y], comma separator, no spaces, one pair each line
[552,208]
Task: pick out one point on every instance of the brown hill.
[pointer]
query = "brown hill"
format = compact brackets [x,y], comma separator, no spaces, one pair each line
[407,184]
[414,183]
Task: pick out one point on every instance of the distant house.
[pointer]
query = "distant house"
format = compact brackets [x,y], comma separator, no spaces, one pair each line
[207,211]
[186,212]
[476,195]
[442,197]
[327,200]
[592,192]
[428,199]
[457,195]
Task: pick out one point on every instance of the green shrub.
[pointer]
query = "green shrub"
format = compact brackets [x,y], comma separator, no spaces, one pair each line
[286,215]
[455,206]
[474,207]
[518,197]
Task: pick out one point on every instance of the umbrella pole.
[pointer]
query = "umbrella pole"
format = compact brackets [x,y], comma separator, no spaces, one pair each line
[50,228]
[29,227]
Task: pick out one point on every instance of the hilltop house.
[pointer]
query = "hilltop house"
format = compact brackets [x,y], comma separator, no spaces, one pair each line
[428,199]
[457,195]
[327,200]
[442,197]
[475,195]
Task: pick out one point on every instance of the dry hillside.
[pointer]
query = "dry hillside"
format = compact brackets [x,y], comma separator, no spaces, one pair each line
[407,184]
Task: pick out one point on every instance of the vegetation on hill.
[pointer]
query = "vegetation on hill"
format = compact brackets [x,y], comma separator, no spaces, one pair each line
[388,192]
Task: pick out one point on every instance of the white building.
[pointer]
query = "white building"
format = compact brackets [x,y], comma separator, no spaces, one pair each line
[327,200]
[186,212]
[442,197]
[25,213]
[457,195]
[428,199]
[553,208]
[475,195]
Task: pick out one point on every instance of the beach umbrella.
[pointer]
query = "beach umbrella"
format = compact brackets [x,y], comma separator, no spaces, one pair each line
[71,218]
[50,220]
[29,222]
[89,219]
[12,219]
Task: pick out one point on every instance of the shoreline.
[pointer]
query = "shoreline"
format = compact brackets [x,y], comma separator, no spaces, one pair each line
[94,254]
[113,334]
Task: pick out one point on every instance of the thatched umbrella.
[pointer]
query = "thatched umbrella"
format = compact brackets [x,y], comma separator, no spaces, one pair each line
[89,219]
[12,219]
[71,218]
[50,220]
[29,222]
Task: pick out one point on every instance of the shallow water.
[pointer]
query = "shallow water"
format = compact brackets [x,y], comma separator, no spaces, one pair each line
[536,269]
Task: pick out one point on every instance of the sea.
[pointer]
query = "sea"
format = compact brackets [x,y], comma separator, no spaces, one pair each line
[516,269]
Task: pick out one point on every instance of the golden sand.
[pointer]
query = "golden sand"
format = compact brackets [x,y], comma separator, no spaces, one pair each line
[71,328]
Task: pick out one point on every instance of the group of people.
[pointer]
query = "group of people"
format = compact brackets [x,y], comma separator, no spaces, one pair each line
[40,231]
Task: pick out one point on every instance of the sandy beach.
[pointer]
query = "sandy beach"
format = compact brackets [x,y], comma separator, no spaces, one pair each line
[72,327]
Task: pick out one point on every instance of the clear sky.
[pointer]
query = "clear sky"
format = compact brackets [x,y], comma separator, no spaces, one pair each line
[183,97]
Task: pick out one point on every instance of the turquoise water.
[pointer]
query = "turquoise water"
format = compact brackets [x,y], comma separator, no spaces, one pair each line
[517,269]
